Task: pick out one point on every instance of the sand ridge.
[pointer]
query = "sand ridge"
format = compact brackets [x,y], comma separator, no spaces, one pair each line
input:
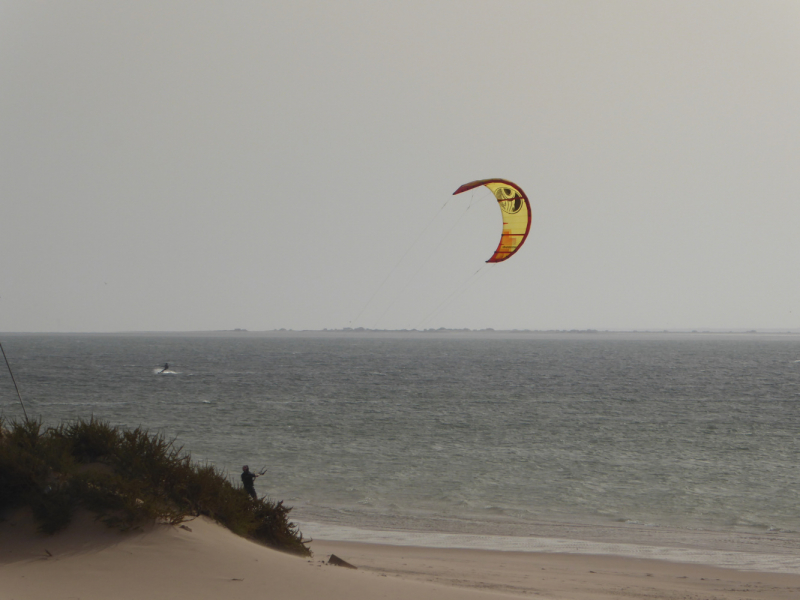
[202,562]
[205,561]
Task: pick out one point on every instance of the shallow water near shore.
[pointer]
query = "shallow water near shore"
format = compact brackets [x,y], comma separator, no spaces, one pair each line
[680,441]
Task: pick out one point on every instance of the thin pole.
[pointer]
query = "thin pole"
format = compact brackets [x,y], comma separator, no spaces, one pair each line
[24,412]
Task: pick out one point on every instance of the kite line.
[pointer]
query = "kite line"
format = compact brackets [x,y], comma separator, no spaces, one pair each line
[471,280]
[428,258]
[24,412]
[394,268]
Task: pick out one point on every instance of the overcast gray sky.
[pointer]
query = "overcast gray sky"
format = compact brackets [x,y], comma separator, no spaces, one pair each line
[212,165]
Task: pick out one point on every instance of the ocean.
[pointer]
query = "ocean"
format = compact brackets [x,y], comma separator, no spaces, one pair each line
[680,446]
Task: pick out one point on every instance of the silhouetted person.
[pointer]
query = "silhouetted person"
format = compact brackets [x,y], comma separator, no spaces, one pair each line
[166,366]
[248,479]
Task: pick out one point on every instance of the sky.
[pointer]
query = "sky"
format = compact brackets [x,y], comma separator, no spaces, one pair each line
[185,166]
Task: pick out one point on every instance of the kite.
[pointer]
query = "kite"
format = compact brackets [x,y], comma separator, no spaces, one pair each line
[516,212]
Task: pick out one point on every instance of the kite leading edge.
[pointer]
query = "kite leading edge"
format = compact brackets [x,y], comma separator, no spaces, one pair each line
[516,211]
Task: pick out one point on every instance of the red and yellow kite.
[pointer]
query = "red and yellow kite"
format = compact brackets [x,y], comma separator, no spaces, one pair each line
[516,213]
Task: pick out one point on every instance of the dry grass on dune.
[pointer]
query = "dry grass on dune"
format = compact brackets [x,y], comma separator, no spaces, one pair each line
[127,478]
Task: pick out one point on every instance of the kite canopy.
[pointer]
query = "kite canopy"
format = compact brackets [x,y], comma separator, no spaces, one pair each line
[516,211]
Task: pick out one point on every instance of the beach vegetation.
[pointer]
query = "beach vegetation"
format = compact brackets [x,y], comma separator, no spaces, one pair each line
[128,478]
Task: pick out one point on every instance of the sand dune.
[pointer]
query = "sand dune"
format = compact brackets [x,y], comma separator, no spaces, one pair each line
[206,561]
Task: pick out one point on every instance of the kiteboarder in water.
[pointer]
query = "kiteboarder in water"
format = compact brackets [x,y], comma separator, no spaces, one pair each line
[166,366]
[248,479]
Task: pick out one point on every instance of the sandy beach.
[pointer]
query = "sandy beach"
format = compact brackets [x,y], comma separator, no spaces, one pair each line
[205,561]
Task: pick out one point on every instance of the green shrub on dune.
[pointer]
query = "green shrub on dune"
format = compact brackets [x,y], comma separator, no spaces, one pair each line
[128,478]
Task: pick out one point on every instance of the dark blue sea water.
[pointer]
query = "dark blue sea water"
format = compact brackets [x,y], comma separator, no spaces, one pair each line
[673,440]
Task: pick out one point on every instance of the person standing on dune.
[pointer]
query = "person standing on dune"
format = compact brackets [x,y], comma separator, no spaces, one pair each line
[248,479]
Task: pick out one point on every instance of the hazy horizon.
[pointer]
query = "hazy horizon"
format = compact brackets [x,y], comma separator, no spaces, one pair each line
[202,166]
[443,330]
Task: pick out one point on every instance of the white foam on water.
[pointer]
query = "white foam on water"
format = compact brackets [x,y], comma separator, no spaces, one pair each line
[745,561]
[161,372]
